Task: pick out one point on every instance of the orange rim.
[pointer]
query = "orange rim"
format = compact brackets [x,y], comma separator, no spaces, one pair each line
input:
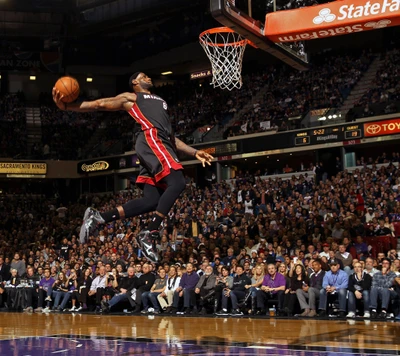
[222,30]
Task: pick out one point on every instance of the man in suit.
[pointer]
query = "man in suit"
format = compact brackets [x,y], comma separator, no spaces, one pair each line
[311,292]
[205,287]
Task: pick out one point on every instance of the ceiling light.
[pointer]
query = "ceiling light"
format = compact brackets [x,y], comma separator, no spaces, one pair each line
[89,79]
[32,77]
[166,73]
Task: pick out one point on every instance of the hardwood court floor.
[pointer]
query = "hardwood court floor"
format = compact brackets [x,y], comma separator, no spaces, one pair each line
[90,334]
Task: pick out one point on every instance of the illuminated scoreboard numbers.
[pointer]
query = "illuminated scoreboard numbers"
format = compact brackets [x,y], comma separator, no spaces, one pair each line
[352,134]
[301,140]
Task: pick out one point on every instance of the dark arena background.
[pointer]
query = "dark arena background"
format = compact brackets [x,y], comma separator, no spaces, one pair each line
[290,235]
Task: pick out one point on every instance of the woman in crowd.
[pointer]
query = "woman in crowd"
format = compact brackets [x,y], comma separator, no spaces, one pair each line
[256,281]
[80,294]
[71,285]
[59,289]
[298,279]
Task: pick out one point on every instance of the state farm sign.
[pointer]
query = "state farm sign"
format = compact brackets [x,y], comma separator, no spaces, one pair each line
[331,19]
[380,128]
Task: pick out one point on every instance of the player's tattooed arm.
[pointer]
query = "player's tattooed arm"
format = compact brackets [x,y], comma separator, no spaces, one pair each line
[201,155]
[123,101]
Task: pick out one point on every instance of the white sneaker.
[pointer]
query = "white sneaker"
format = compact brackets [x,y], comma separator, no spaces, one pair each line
[351,315]
[48,299]
[46,310]
[73,308]
[79,309]
[390,316]
[367,315]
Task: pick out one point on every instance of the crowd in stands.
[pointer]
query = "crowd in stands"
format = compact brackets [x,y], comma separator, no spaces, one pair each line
[291,94]
[12,125]
[384,95]
[241,248]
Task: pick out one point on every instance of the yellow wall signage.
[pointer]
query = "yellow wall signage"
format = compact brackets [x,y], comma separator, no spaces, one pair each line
[22,168]
[96,166]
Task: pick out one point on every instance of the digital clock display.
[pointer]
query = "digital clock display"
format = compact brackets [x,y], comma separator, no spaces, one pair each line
[318,132]
[302,140]
[353,134]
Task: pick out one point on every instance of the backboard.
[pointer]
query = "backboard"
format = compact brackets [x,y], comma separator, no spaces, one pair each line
[240,20]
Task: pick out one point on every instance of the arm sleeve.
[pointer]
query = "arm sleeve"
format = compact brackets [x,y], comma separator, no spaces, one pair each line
[344,281]
[325,281]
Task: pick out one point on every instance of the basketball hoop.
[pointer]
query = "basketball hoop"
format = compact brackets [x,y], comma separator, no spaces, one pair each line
[225,49]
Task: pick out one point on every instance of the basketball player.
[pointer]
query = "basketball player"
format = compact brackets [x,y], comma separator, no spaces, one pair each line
[160,170]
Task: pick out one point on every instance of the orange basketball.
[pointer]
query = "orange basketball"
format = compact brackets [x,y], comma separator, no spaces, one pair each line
[68,87]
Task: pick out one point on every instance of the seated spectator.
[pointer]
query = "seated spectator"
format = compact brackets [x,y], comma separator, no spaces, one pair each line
[205,288]
[359,289]
[157,288]
[71,285]
[381,229]
[185,290]
[369,266]
[298,280]
[382,288]
[361,248]
[97,288]
[32,281]
[311,291]
[166,297]
[143,284]
[45,286]
[124,288]
[237,292]
[224,280]
[273,287]
[256,282]
[11,290]
[346,258]
[59,289]
[335,283]
[81,293]
[18,264]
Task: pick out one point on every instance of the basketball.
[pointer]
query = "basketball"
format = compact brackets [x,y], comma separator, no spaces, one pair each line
[68,87]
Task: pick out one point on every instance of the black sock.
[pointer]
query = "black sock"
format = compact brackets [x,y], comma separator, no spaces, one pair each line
[155,222]
[111,215]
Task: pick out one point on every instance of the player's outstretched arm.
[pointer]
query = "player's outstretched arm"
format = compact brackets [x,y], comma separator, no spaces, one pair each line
[122,101]
[201,155]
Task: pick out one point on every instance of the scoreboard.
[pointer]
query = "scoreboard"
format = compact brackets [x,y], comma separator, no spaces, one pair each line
[320,135]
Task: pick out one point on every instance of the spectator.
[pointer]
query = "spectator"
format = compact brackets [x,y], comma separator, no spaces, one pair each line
[273,287]
[166,297]
[157,288]
[346,258]
[359,289]
[311,291]
[186,290]
[97,288]
[382,288]
[205,288]
[45,285]
[144,284]
[335,283]
[237,292]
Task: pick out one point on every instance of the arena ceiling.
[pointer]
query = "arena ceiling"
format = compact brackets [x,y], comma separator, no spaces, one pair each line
[121,32]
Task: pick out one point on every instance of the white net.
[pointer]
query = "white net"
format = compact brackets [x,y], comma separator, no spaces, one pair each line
[225,50]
